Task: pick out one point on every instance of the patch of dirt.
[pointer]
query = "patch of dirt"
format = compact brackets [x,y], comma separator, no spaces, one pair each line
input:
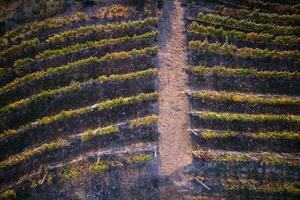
[174,145]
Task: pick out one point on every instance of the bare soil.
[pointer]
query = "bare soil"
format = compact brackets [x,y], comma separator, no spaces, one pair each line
[175,147]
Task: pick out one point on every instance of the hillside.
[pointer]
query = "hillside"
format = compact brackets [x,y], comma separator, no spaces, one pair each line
[192,99]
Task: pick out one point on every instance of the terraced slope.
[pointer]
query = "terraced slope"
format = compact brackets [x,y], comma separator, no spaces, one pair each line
[79,106]
[244,79]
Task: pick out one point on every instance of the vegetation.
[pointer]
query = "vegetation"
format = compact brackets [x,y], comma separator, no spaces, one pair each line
[99,167]
[89,134]
[71,173]
[266,135]
[223,71]
[196,28]
[108,104]
[57,22]
[75,33]
[265,187]
[95,44]
[264,158]
[41,96]
[244,24]
[58,70]
[74,86]
[34,43]
[139,158]
[258,16]
[22,31]
[229,49]
[7,194]
[143,121]
[25,155]
[268,6]
[245,98]
[116,77]
[287,135]
[249,117]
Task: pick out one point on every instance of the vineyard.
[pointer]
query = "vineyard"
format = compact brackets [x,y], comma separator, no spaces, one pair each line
[244,79]
[79,106]
[174,99]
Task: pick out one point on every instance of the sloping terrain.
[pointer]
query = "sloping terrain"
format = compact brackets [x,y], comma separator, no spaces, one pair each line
[79,106]
[244,77]
[193,99]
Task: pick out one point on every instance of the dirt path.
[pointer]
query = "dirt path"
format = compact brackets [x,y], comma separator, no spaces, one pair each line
[174,146]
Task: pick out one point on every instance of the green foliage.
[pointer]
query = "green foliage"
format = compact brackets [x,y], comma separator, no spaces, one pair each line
[245,98]
[75,33]
[133,75]
[110,104]
[249,117]
[20,62]
[18,158]
[8,194]
[265,187]
[33,43]
[286,135]
[89,134]
[244,24]
[139,158]
[143,121]
[196,28]
[58,70]
[258,16]
[71,173]
[223,71]
[266,135]
[208,134]
[229,49]
[96,44]
[99,167]
[41,96]
[27,29]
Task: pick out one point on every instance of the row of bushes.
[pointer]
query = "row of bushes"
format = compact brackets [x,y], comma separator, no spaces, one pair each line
[58,70]
[15,159]
[75,33]
[33,43]
[37,106]
[105,27]
[75,170]
[258,16]
[248,117]
[57,22]
[267,6]
[264,158]
[264,135]
[248,25]
[245,98]
[197,28]
[282,188]
[229,49]
[79,47]
[108,104]
[95,44]
[89,134]
[27,29]
[222,71]
[74,87]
